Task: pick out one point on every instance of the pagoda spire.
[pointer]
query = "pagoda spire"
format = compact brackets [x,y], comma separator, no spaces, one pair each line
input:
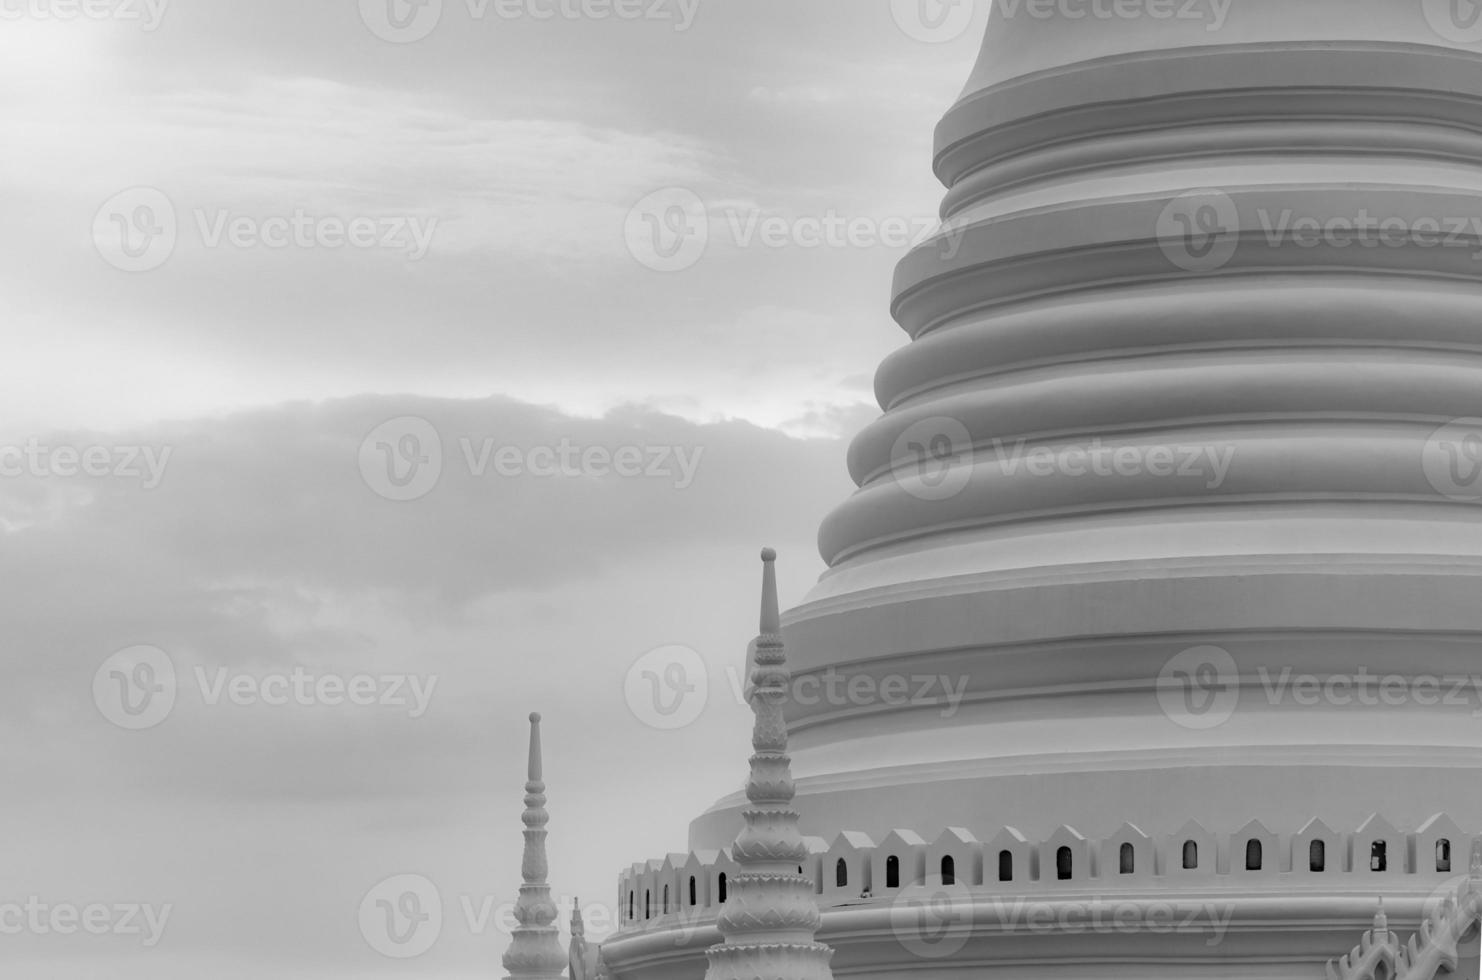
[770,917]
[535,949]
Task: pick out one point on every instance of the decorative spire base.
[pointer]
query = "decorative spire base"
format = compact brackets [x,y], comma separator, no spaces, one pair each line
[770,916]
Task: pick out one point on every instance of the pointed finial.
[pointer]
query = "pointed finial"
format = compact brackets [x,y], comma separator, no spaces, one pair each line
[578,924]
[1381,922]
[535,768]
[771,619]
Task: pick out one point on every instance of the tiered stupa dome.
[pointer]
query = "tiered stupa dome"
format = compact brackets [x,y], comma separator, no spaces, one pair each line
[1146,409]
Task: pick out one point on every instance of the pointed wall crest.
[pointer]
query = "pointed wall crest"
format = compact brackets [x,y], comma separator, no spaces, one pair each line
[1377,956]
[1317,849]
[1127,855]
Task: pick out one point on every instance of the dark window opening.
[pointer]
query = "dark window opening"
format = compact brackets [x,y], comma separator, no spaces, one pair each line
[693,901]
[1253,855]
[1005,866]
[892,872]
[841,874]
[1443,855]
[949,870]
[631,914]
[648,904]
[721,887]
[666,899]
[1378,859]
[1317,856]
[1063,864]
[1191,855]
[1128,858]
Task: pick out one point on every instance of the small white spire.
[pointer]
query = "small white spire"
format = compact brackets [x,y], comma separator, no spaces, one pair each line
[534,948]
[770,918]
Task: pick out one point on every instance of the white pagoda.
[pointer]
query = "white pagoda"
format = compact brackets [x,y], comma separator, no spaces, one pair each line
[1184,432]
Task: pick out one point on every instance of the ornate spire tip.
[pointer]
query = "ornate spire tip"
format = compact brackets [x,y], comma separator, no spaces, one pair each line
[771,621]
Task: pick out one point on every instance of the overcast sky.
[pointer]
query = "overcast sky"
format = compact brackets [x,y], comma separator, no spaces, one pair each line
[281,280]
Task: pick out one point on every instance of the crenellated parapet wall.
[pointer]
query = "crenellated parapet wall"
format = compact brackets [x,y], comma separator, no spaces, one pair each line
[853,868]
